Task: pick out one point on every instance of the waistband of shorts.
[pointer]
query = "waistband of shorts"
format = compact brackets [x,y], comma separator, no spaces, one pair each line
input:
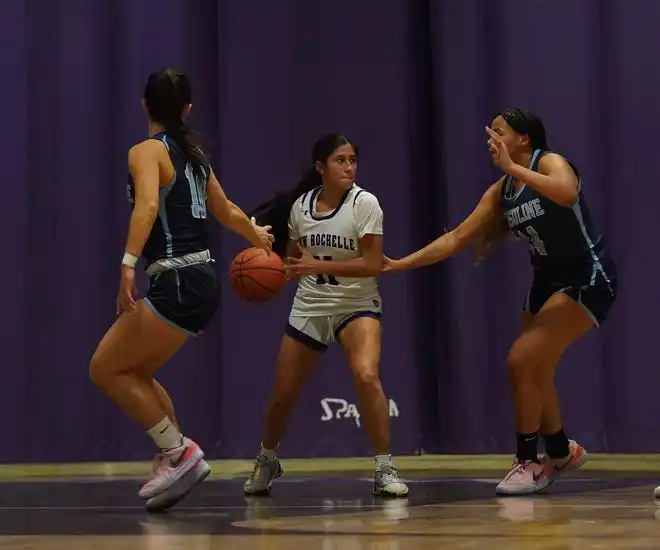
[167,264]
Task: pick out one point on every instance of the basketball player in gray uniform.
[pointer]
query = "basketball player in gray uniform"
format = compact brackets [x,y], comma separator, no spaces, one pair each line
[172,190]
[331,233]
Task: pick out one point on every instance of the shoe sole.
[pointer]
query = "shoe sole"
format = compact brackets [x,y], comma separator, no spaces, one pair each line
[178,490]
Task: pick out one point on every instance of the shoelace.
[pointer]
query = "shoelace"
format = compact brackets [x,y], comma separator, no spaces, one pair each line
[257,470]
[518,468]
[388,474]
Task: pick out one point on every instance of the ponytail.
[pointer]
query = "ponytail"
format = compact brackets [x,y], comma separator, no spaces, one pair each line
[192,151]
[166,95]
[276,211]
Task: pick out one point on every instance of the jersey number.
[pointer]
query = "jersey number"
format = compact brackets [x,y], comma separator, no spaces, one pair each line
[325,279]
[197,193]
[535,242]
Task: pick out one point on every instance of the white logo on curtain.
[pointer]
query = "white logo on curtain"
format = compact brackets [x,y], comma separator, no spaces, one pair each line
[335,408]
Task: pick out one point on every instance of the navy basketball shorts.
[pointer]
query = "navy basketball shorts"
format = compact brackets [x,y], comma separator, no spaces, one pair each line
[595,291]
[185,298]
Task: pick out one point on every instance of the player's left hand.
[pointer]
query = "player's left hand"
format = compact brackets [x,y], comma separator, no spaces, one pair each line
[306,264]
[127,291]
[499,150]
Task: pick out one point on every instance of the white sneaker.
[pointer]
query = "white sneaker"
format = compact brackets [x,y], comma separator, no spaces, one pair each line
[387,483]
[264,473]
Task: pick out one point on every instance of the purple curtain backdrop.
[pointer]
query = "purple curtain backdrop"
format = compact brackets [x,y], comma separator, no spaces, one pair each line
[413,83]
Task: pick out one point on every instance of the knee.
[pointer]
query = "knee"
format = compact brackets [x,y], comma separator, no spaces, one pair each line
[97,374]
[100,372]
[366,376]
[520,364]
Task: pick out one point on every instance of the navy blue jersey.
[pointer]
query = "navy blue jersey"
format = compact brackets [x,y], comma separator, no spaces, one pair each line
[558,236]
[180,227]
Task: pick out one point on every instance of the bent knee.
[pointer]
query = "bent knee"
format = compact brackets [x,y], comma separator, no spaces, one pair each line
[102,370]
[521,363]
[98,374]
[366,375]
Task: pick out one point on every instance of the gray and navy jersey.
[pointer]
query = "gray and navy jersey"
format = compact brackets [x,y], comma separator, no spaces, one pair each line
[180,227]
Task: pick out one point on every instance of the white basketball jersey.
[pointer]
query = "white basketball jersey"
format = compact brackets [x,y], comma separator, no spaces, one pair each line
[335,236]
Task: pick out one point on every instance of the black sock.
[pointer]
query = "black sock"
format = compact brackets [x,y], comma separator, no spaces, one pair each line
[528,446]
[556,445]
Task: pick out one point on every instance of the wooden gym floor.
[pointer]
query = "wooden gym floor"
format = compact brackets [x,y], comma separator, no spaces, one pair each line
[327,505]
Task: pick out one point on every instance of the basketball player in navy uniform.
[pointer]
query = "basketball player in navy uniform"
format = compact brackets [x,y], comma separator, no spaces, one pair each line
[171,187]
[331,231]
[540,200]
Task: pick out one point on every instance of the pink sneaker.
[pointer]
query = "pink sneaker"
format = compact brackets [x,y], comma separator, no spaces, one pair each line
[573,462]
[179,489]
[524,478]
[171,466]
[155,465]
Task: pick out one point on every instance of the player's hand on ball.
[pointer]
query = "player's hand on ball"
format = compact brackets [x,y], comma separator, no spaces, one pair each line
[306,264]
[266,239]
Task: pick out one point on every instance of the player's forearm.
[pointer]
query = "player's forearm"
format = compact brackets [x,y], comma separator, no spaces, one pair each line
[237,221]
[561,192]
[142,221]
[360,267]
[440,249]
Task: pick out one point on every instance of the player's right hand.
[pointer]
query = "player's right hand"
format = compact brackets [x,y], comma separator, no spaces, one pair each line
[264,238]
[127,291]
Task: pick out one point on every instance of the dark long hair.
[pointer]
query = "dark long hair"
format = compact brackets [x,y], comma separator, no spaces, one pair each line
[166,94]
[275,212]
[525,122]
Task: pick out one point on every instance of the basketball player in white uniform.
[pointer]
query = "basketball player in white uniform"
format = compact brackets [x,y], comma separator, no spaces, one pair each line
[332,234]
[324,303]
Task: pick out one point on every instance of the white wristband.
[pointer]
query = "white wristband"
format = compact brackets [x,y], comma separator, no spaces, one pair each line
[129,260]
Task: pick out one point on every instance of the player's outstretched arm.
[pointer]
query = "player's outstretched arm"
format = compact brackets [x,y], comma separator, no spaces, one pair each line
[453,241]
[233,218]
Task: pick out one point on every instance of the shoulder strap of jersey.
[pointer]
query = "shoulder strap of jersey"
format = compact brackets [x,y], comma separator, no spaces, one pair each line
[357,195]
[506,190]
[537,155]
[544,152]
[160,136]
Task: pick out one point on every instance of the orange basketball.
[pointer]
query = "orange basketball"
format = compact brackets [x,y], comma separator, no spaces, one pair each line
[255,276]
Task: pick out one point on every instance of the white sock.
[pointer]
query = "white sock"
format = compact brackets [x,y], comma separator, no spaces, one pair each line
[268,454]
[165,435]
[383,460]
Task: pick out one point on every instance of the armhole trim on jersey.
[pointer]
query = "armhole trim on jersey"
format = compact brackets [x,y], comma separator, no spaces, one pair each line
[507,188]
[302,200]
[357,195]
